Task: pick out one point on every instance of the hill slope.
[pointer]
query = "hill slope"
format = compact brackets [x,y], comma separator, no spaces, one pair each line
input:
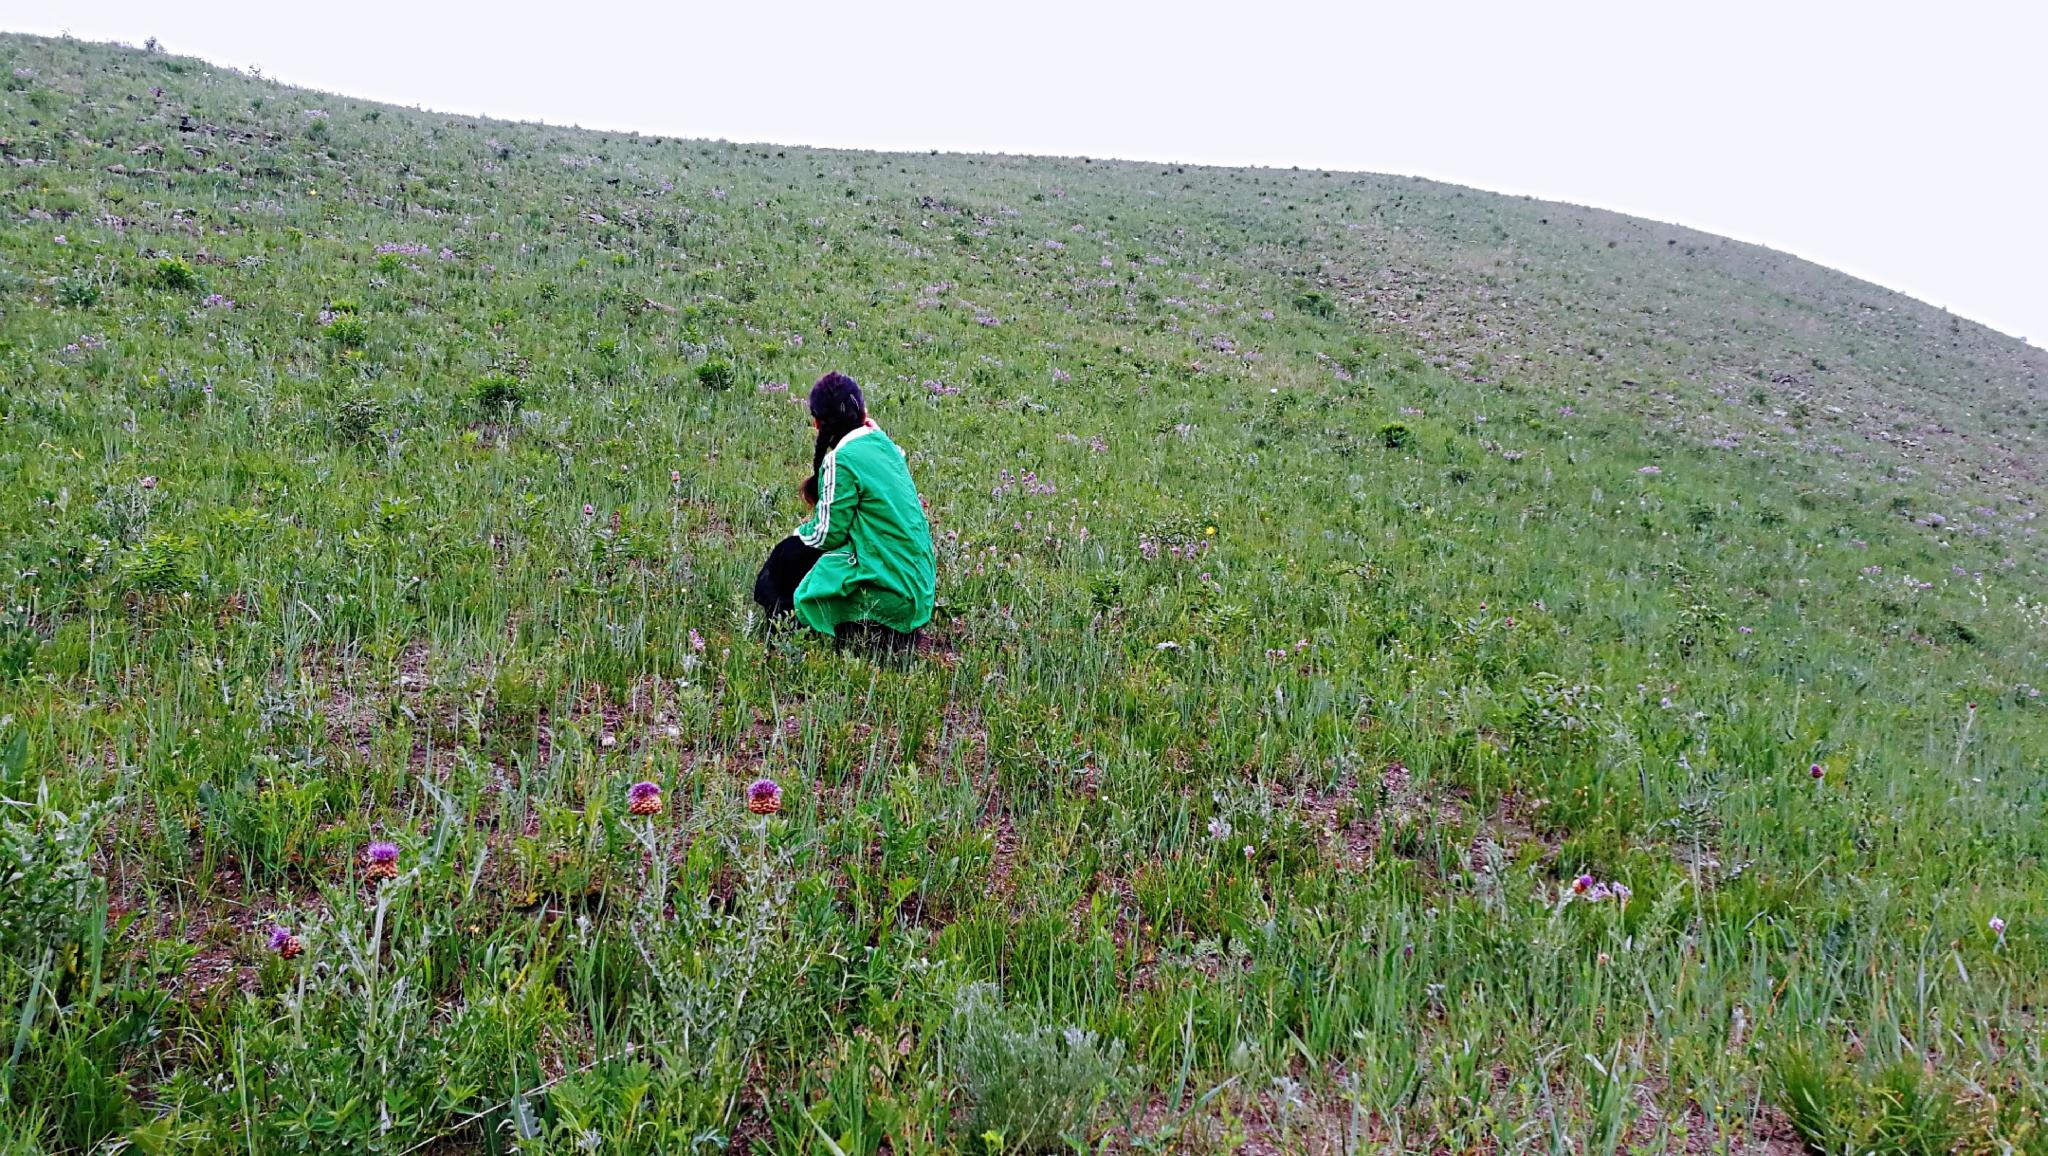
[1414,667]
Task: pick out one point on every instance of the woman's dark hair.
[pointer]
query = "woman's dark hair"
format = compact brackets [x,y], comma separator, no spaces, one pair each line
[837,403]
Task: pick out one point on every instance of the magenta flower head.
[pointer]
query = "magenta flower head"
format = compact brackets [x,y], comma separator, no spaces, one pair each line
[1997,926]
[644,798]
[284,943]
[1582,884]
[1817,771]
[383,859]
[764,797]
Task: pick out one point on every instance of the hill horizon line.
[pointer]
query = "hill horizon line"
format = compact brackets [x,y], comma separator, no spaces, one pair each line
[256,74]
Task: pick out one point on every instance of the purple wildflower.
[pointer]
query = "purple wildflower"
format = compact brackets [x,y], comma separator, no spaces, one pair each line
[644,799]
[764,797]
[279,936]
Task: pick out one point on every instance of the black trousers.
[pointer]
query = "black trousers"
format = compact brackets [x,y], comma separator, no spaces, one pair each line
[788,563]
[775,591]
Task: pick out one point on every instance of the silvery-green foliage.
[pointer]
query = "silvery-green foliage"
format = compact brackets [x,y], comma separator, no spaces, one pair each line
[1031,1086]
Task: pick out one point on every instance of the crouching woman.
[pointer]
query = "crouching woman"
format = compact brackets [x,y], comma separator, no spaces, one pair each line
[863,564]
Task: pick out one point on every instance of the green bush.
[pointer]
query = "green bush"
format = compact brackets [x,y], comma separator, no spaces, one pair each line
[47,857]
[162,562]
[497,393]
[174,275]
[78,293]
[357,419]
[716,374]
[1030,1087]
[1316,304]
[347,332]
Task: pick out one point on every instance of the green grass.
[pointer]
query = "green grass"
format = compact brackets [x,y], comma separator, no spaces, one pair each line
[371,474]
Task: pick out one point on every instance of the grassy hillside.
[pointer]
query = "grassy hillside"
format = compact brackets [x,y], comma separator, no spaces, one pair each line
[1416,669]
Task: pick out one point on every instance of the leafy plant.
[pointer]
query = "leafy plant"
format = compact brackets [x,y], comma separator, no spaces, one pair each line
[357,420]
[497,393]
[347,332]
[1031,1087]
[174,275]
[78,292]
[716,374]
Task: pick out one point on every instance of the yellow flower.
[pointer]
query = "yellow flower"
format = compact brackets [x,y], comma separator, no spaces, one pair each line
[1212,531]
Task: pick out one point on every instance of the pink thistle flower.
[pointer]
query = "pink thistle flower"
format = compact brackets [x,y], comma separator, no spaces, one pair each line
[1582,884]
[284,943]
[1997,926]
[1817,771]
[589,511]
[644,798]
[383,860]
[764,797]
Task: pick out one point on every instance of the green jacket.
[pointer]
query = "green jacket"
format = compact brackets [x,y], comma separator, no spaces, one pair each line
[878,564]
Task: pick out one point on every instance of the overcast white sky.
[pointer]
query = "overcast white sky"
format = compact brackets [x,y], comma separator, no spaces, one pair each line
[1903,143]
